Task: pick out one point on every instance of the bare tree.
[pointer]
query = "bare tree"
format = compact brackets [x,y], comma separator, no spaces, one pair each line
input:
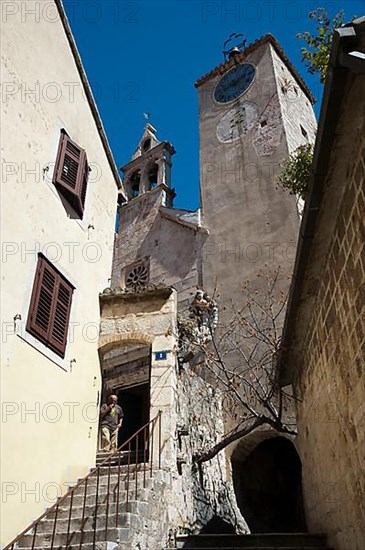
[241,358]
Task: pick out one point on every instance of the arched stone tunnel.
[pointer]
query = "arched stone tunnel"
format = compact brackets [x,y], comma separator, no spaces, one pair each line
[266,473]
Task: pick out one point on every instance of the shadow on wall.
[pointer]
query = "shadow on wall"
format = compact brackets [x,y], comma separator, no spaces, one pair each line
[215,526]
[268,487]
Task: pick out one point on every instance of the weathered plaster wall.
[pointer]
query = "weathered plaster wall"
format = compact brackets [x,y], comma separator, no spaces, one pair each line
[330,361]
[172,249]
[296,108]
[41,428]
[255,224]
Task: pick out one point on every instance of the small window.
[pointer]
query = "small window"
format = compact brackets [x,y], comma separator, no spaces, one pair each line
[50,305]
[304,132]
[136,276]
[71,173]
[263,123]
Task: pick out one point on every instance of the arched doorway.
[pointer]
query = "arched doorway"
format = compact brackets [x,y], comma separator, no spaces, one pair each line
[268,487]
[126,372]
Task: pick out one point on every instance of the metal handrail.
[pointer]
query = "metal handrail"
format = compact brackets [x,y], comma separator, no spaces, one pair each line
[96,472]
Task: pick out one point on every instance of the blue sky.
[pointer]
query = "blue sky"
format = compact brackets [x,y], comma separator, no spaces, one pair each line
[145,55]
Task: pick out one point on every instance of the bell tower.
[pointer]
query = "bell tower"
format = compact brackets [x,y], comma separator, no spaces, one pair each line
[149,167]
[254,110]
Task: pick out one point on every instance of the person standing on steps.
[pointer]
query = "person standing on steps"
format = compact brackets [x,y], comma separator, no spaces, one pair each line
[111,415]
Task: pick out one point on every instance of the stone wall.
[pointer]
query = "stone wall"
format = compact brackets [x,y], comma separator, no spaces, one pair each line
[300,125]
[331,380]
[148,318]
[188,497]
[171,248]
[201,494]
[256,226]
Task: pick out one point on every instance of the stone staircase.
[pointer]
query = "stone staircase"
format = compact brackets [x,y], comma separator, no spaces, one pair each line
[135,518]
[269,541]
[103,529]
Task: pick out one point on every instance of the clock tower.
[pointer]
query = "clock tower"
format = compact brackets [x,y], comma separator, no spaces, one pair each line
[254,110]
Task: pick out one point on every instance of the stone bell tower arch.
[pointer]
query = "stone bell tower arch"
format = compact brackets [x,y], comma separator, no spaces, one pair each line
[149,167]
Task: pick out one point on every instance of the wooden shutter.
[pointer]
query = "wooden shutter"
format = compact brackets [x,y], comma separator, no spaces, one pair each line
[85,178]
[50,306]
[71,173]
[60,316]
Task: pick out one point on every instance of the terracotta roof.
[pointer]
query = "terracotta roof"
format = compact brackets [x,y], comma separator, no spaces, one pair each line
[223,67]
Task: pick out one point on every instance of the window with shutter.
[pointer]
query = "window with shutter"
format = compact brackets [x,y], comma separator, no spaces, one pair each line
[71,173]
[50,305]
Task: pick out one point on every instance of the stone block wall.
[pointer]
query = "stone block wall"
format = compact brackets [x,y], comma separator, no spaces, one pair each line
[148,318]
[171,248]
[200,494]
[331,379]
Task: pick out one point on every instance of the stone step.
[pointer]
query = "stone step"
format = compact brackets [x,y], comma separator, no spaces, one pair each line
[125,457]
[123,476]
[135,506]
[125,519]
[101,545]
[78,498]
[124,469]
[44,539]
[265,540]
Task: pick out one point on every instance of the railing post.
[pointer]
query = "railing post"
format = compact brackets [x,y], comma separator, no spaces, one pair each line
[96,505]
[54,527]
[128,470]
[34,536]
[118,485]
[136,468]
[144,456]
[159,440]
[83,515]
[107,500]
[69,518]
[152,437]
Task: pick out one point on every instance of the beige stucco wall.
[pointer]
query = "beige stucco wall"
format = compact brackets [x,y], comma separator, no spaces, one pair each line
[44,450]
[329,355]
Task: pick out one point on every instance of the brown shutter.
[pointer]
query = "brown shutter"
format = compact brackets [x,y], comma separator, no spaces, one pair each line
[50,306]
[41,303]
[85,177]
[60,316]
[71,173]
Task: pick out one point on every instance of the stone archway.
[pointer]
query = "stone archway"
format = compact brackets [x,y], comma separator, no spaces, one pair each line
[126,373]
[267,483]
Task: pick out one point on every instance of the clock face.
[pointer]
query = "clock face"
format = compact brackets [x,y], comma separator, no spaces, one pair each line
[234,83]
[237,122]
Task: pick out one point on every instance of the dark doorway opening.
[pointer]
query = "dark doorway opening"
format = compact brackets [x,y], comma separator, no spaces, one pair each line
[135,402]
[268,487]
[217,526]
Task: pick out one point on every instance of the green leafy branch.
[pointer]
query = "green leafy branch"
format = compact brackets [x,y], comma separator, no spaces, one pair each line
[316,55]
[295,172]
